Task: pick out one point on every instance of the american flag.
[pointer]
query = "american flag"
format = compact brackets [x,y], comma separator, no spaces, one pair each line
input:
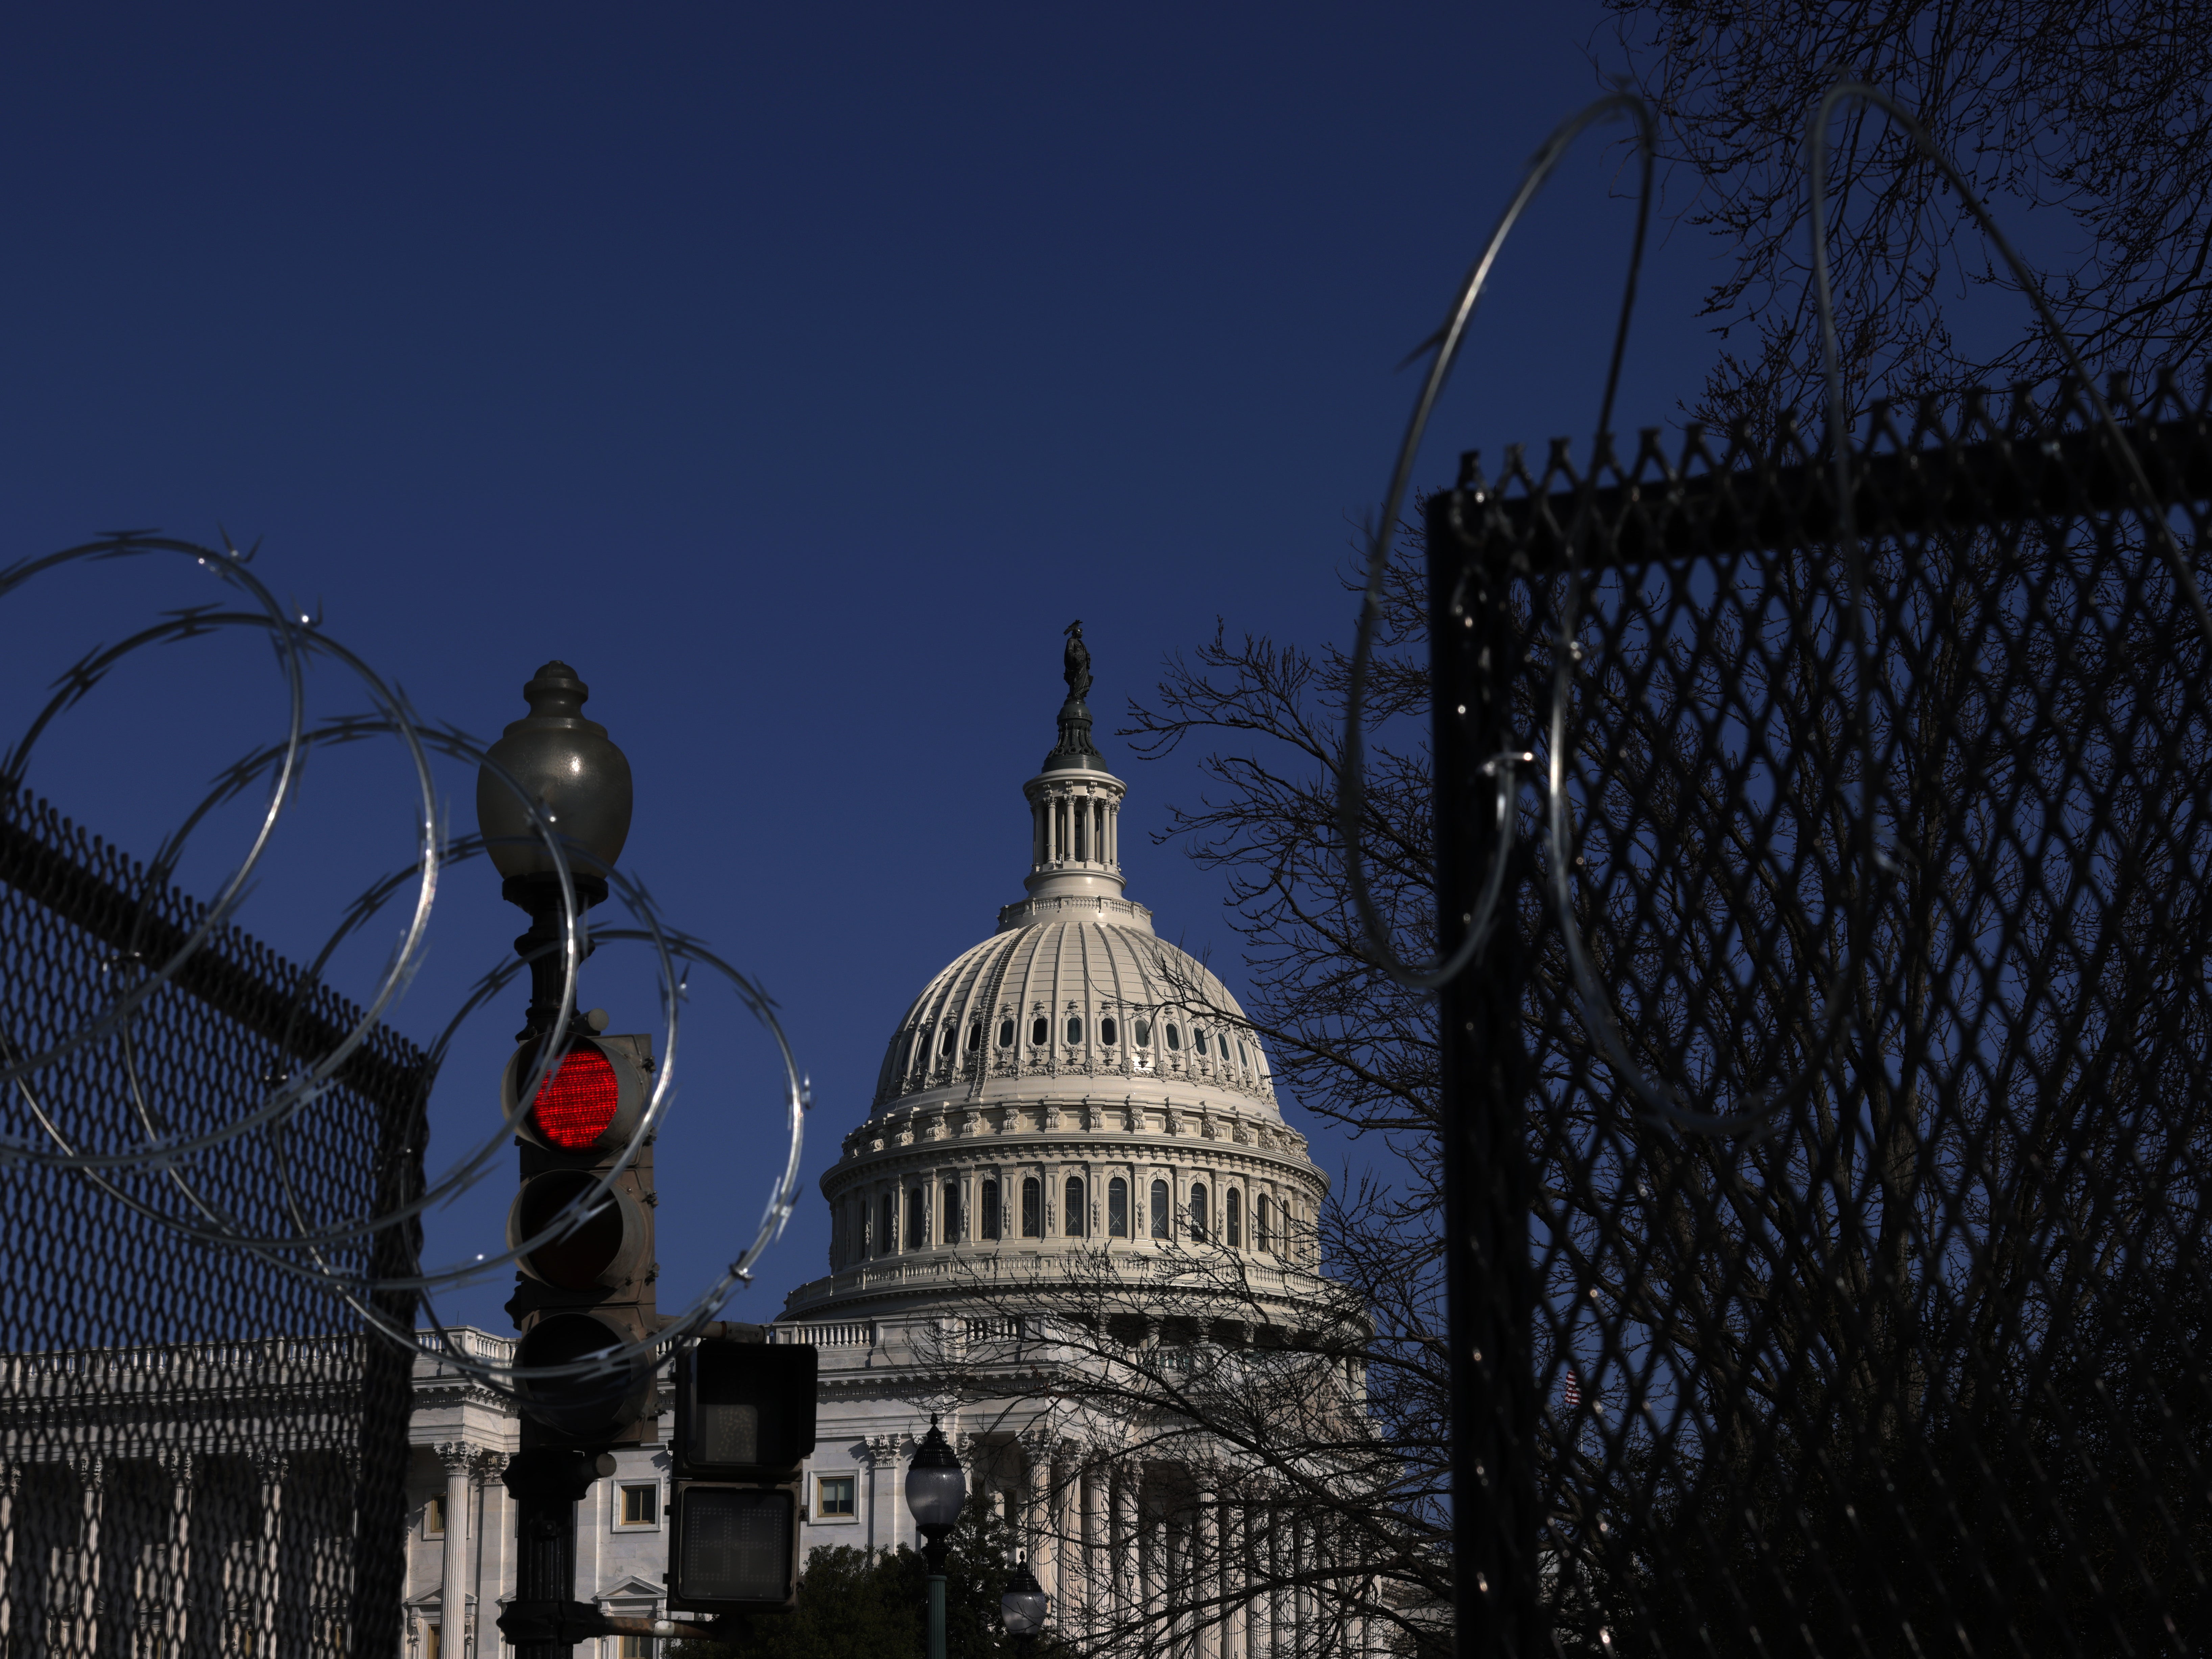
[1571,1391]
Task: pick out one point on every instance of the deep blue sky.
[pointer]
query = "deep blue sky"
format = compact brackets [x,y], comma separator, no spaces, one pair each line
[797,375]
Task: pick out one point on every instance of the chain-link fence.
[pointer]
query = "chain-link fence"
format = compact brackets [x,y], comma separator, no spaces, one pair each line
[1832,1133]
[202,1449]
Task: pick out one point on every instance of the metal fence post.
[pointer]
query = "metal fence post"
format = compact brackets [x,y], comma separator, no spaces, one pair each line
[1475,650]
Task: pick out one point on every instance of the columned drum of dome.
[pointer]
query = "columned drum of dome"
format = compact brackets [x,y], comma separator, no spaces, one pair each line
[1068,1061]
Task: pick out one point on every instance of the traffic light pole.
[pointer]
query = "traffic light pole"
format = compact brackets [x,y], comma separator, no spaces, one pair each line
[545,1620]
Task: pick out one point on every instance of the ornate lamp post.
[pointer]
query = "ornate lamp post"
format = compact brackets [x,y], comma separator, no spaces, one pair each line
[1022,1609]
[567,765]
[936,1488]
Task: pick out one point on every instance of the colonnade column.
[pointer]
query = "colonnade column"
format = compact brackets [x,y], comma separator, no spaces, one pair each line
[1282,1637]
[1259,1638]
[1126,1564]
[176,1611]
[1154,1523]
[1305,1603]
[1094,1553]
[1206,1577]
[1235,1638]
[91,1469]
[899,1516]
[879,1455]
[492,1528]
[456,1457]
[1035,1519]
[1064,1504]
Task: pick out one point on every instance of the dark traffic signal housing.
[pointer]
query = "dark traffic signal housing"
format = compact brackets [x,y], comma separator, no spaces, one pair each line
[589,1289]
[745,1424]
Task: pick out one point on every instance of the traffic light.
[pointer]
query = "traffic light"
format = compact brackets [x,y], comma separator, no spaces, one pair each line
[745,1424]
[591,1288]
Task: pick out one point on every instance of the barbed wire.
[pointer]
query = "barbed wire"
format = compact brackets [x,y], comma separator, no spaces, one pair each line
[1664,1101]
[322,1249]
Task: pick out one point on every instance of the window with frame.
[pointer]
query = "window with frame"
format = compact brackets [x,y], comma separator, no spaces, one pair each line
[975,1037]
[431,1633]
[637,1505]
[952,1213]
[1117,1207]
[1198,1215]
[916,1218]
[1075,1213]
[433,1516]
[1040,1031]
[1006,1034]
[1108,1032]
[1032,1207]
[989,1204]
[1198,1039]
[1175,1039]
[1144,1034]
[834,1497]
[887,1232]
[1263,1222]
[634,1647]
[1075,1028]
[1234,1218]
[1159,1209]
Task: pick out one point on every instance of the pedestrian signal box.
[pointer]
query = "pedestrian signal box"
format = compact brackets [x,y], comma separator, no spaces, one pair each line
[744,1425]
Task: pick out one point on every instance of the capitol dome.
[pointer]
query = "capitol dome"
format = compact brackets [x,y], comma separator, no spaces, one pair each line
[1072,1084]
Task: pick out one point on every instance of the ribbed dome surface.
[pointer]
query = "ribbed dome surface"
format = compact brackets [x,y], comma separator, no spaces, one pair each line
[1073,990]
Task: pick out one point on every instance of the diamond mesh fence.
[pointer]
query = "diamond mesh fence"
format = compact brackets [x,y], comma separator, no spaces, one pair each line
[203,1450]
[1832,1118]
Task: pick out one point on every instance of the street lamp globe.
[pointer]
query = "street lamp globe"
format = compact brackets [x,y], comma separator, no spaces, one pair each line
[1023,1606]
[936,1487]
[567,767]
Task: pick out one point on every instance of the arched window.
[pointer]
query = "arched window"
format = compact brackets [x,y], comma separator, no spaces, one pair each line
[1006,1034]
[1075,1213]
[1032,1207]
[944,1044]
[1040,1031]
[989,1203]
[1174,1038]
[1159,1209]
[1144,1034]
[1198,1038]
[1117,1207]
[916,1217]
[1106,1031]
[887,1234]
[975,1037]
[952,1213]
[1242,1059]
[1262,1223]
[1234,1220]
[1075,1028]
[1198,1212]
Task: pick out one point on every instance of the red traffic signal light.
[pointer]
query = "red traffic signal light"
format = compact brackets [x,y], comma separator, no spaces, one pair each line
[585,1287]
[592,1101]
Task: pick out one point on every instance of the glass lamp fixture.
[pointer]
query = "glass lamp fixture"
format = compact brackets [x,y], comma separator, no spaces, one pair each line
[936,1486]
[1023,1606]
